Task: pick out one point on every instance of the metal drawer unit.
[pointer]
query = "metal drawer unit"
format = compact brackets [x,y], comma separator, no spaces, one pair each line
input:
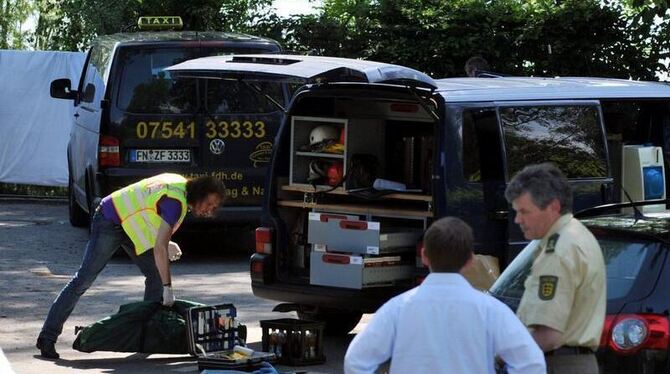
[357,272]
[346,233]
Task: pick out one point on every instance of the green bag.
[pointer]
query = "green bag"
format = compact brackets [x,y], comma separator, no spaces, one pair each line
[146,327]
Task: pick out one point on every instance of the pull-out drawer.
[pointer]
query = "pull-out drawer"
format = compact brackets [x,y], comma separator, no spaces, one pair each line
[343,233]
[339,270]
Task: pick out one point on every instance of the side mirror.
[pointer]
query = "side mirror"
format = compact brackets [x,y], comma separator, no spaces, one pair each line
[89,93]
[60,89]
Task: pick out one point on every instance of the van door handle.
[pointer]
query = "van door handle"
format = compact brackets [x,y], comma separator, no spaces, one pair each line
[499,215]
[76,115]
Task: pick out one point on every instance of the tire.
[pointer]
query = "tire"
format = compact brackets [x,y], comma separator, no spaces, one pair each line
[338,322]
[78,216]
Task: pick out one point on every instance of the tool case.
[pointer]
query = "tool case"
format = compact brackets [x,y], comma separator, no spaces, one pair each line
[213,332]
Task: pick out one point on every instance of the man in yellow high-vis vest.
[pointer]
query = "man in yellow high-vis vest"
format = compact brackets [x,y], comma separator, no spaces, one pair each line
[141,219]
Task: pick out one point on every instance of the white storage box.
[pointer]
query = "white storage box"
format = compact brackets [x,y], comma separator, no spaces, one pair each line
[350,271]
[343,233]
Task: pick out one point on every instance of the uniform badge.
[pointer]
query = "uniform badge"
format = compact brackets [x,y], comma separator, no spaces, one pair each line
[547,289]
[551,243]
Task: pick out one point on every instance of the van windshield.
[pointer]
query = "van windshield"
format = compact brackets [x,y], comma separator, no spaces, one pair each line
[145,86]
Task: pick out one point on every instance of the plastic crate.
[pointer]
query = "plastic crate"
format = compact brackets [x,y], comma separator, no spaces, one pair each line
[295,342]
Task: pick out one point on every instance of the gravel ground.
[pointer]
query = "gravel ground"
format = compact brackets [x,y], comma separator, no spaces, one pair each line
[39,252]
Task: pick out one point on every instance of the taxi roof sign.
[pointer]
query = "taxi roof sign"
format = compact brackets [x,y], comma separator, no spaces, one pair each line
[160,23]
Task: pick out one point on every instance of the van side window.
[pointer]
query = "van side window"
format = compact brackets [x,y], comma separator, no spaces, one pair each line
[482,150]
[94,84]
[569,136]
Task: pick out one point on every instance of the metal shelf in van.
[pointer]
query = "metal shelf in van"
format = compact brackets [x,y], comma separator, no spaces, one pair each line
[340,191]
[359,209]
[319,154]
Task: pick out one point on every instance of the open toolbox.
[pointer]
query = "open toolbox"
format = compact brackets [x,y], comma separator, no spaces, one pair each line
[214,333]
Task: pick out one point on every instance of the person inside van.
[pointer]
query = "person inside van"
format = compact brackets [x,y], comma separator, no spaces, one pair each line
[476,65]
[143,216]
[444,325]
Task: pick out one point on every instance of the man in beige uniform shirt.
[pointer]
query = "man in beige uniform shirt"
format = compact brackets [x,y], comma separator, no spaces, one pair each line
[564,302]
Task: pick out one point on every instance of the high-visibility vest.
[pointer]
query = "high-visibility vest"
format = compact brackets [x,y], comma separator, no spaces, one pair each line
[137,207]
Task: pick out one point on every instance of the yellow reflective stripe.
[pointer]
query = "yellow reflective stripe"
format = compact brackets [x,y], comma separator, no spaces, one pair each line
[127,206]
[149,231]
[137,236]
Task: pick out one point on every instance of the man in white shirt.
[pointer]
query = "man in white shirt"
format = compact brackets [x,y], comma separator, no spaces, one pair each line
[444,325]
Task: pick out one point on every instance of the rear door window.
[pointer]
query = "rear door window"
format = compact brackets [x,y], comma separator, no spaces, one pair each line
[570,136]
[146,87]
[236,97]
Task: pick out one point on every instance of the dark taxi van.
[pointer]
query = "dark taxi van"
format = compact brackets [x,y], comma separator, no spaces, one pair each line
[341,244]
[133,120]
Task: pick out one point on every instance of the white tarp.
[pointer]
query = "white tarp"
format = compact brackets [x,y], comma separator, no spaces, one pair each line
[34,127]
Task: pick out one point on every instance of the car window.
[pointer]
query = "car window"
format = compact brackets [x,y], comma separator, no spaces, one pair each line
[234,97]
[569,136]
[145,86]
[511,282]
[481,142]
[623,259]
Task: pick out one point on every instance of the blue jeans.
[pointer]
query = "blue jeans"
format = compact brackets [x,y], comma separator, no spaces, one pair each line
[105,239]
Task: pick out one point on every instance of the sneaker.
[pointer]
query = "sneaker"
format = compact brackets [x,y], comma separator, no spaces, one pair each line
[47,349]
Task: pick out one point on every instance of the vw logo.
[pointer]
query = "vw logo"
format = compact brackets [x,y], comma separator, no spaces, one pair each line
[217,146]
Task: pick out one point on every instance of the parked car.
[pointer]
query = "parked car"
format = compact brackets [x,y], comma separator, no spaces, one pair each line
[636,334]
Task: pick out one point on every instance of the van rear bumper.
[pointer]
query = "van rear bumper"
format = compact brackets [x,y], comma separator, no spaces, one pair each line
[366,300]
[113,179]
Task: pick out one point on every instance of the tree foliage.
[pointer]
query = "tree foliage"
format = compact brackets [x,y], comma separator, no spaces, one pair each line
[72,24]
[614,38]
[13,14]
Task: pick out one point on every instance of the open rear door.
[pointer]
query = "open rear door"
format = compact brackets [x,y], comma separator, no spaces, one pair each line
[300,69]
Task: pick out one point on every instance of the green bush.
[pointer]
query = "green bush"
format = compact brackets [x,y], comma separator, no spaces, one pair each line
[32,190]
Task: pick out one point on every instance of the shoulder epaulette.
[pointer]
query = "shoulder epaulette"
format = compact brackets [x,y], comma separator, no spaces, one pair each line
[551,243]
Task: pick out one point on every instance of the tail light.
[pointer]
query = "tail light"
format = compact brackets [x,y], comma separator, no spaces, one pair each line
[264,240]
[108,151]
[404,107]
[629,333]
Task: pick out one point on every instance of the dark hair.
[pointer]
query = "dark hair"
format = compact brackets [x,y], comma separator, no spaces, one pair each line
[448,245]
[475,64]
[544,182]
[199,188]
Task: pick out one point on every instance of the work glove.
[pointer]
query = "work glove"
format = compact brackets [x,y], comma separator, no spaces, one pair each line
[174,252]
[168,296]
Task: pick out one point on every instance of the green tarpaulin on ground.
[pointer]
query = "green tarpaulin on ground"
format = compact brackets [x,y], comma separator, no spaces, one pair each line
[146,327]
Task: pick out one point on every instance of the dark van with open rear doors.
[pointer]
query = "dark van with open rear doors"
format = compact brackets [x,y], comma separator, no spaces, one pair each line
[134,120]
[369,154]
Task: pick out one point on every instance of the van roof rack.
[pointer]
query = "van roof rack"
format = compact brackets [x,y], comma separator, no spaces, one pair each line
[489,74]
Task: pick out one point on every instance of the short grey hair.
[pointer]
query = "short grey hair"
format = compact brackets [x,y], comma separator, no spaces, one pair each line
[544,182]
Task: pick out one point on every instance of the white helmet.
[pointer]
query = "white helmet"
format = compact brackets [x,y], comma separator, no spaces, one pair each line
[323,132]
